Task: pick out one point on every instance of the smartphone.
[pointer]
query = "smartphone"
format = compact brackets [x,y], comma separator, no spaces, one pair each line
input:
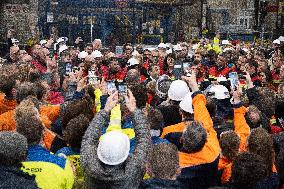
[187,70]
[234,79]
[111,86]
[68,68]
[119,50]
[178,71]
[92,78]
[122,89]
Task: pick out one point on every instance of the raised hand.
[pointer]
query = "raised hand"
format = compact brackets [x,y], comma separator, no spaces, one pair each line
[111,102]
[236,93]
[249,81]
[82,84]
[130,101]
[192,83]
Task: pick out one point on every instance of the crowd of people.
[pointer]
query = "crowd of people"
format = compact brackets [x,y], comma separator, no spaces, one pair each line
[195,115]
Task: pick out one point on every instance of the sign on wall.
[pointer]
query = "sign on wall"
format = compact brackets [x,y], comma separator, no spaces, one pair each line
[121,3]
[49,17]
[16,8]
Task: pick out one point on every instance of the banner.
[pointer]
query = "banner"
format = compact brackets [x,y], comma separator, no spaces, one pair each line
[157,1]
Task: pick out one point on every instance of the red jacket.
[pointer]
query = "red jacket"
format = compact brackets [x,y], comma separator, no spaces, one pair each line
[214,71]
[276,76]
[39,66]
[161,65]
[55,98]
[108,76]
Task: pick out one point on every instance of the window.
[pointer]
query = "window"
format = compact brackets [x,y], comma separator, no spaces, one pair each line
[250,4]
[245,21]
[15,1]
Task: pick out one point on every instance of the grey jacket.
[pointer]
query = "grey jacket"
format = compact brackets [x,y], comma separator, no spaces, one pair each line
[125,176]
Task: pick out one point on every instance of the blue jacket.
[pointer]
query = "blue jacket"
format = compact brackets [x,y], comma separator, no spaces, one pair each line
[13,177]
[160,184]
[159,140]
[73,155]
[200,176]
[51,171]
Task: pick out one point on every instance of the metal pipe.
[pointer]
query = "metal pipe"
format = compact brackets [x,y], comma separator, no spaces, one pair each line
[92,21]
[277,15]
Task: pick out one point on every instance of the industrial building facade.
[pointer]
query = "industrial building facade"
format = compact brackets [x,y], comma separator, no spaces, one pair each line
[145,21]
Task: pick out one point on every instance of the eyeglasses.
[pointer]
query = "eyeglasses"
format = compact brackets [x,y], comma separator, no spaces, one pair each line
[113,59]
[76,69]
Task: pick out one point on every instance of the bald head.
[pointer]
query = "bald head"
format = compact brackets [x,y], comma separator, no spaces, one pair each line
[133,76]
[97,44]
[14,53]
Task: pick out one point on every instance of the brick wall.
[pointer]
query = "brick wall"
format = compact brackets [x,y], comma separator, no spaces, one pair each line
[236,10]
[20,16]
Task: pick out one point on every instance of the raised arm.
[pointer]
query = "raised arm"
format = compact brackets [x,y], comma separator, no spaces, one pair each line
[89,158]
[142,133]
[240,124]
[201,113]
[143,138]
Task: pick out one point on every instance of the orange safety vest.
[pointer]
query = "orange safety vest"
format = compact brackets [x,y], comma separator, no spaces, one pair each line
[211,149]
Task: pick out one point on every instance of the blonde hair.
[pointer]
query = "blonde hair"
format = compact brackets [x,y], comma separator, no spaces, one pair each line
[26,109]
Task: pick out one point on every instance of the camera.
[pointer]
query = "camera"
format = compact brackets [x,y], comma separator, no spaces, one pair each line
[242,75]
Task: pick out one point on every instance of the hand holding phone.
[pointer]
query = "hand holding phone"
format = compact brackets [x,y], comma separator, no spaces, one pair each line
[234,79]
[68,69]
[122,89]
[111,88]
[186,70]
[92,78]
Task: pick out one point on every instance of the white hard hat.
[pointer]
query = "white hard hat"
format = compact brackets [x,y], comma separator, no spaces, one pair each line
[133,62]
[195,46]
[150,48]
[178,90]
[169,45]
[97,54]
[221,78]
[245,49]
[177,47]
[277,41]
[62,48]
[82,55]
[281,38]
[99,40]
[228,49]
[42,42]
[62,39]
[186,103]
[219,92]
[135,53]
[226,42]
[15,40]
[113,148]
[169,51]
[162,45]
